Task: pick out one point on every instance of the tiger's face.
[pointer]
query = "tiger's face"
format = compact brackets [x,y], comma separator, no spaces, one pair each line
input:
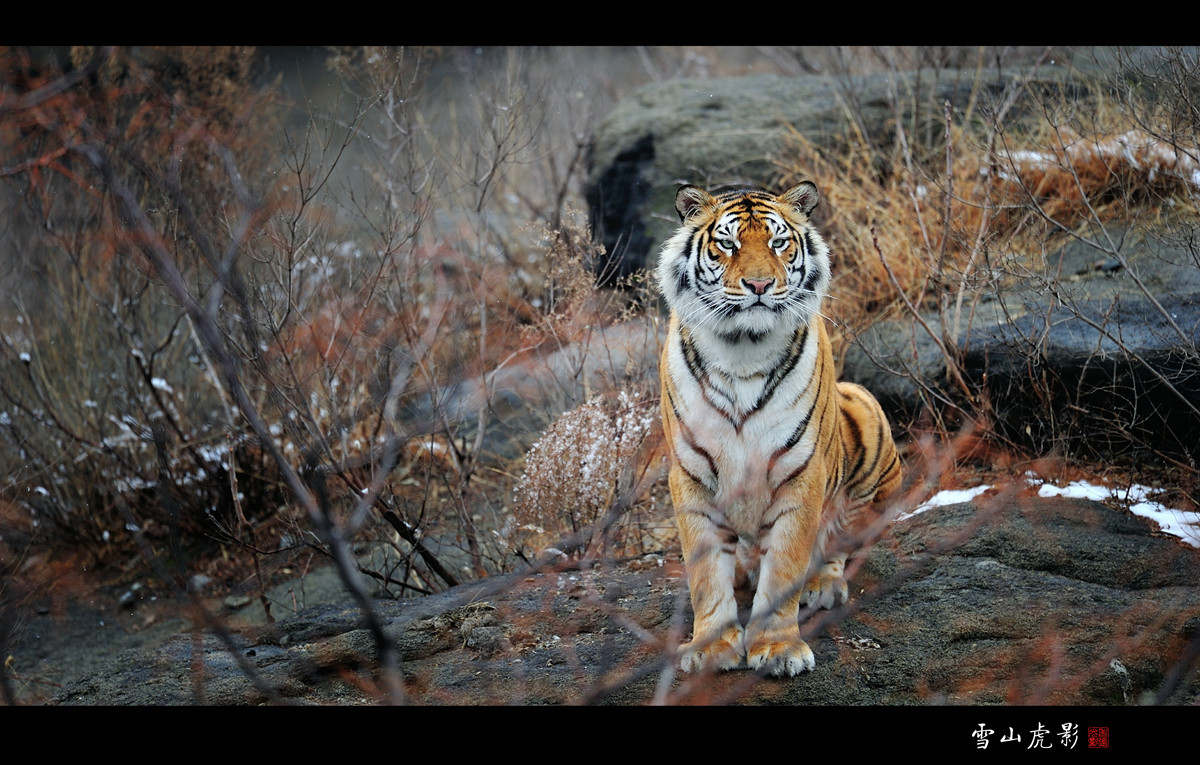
[745,263]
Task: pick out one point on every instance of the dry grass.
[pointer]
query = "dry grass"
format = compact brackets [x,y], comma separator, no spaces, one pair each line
[932,232]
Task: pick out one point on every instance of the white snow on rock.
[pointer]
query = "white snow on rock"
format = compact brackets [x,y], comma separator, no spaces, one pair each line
[1181,523]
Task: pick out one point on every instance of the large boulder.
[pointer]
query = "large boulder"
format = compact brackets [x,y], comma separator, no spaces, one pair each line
[1094,353]
[725,131]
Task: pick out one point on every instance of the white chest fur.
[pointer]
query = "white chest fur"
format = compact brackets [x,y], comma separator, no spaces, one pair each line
[747,406]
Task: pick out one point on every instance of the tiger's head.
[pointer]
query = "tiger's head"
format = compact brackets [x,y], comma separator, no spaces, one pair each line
[746,262]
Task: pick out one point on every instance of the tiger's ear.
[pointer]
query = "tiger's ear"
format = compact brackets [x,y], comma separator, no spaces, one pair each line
[690,199]
[803,196]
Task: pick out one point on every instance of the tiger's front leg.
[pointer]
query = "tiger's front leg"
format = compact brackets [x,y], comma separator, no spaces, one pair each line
[773,633]
[709,554]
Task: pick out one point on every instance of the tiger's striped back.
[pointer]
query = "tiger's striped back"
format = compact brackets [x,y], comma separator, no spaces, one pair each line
[769,454]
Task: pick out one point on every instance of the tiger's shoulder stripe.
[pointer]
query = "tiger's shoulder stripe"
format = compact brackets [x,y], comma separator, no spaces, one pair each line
[685,434]
[718,398]
[805,419]
[786,367]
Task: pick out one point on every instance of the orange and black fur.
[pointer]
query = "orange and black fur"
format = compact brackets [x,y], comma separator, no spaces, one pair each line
[770,456]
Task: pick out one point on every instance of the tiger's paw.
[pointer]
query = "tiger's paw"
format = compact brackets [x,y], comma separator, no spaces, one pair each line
[828,587]
[724,652]
[781,658]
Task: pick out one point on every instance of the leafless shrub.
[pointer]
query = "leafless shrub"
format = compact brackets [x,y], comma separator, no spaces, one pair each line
[349,304]
[585,462]
[103,375]
[246,340]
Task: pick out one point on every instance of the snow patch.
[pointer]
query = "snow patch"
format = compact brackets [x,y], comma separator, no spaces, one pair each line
[1136,497]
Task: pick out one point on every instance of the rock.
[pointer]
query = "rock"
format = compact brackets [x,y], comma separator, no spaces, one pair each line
[526,395]
[731,130]
[1107,379]
[1004,600]
[1078,358]
[234,602]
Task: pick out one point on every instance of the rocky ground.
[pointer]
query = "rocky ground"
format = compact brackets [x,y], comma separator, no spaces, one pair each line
[1008,599]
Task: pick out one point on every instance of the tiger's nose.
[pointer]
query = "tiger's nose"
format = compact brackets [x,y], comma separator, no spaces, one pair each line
[760,286]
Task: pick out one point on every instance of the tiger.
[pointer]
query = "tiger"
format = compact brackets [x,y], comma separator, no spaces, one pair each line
[769,455]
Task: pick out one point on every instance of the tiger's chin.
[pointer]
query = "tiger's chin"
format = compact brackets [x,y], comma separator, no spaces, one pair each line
[755,323]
